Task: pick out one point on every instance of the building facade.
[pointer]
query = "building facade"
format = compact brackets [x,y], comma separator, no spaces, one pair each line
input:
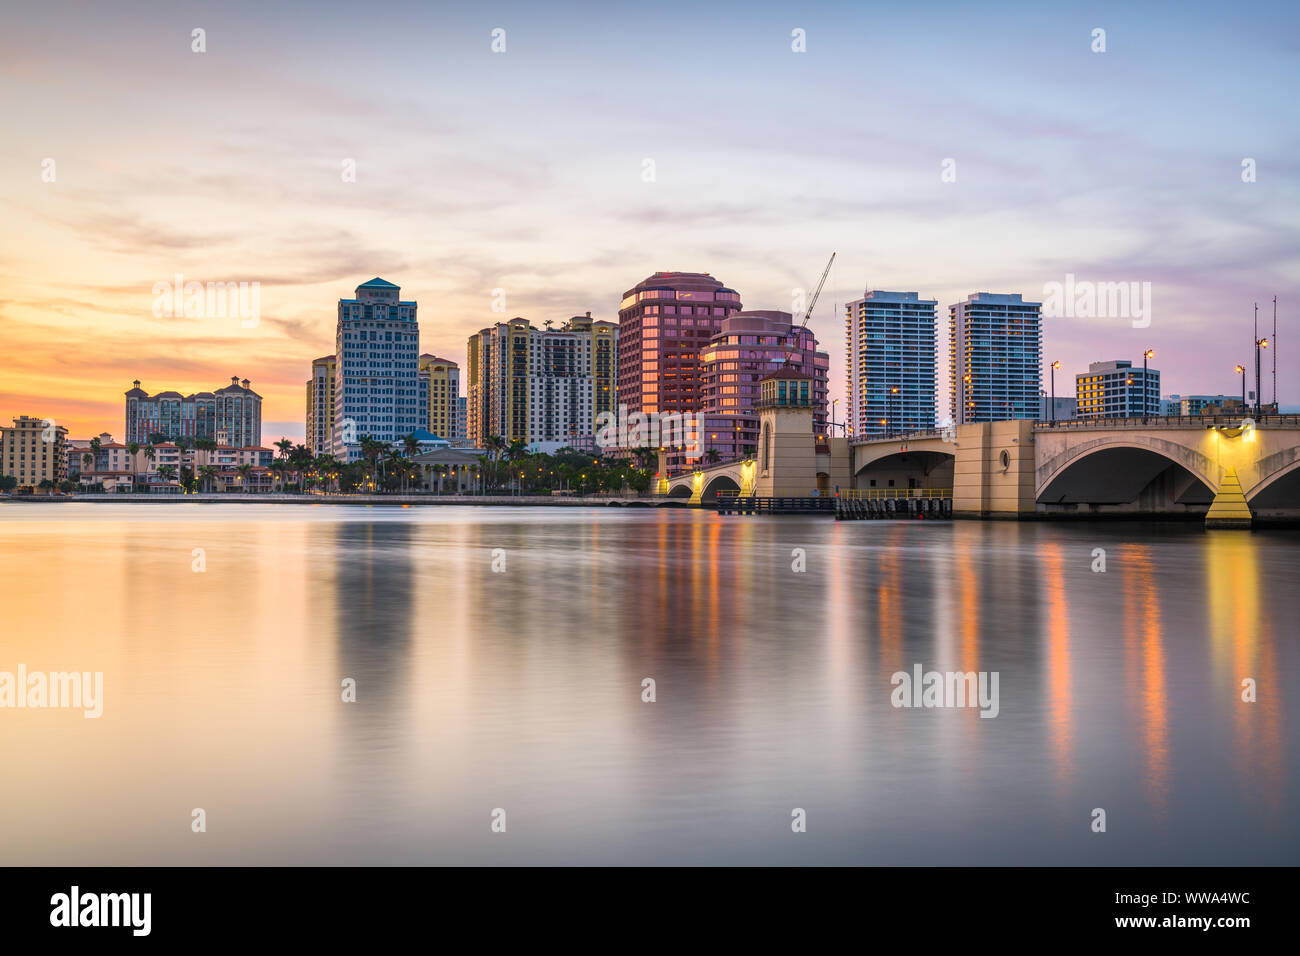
[1062,408]
[377,376]
[33,450]
[440,378]
[663,324]
[232,414]
[891,371]
[543,387]
[1192,405]
[747,347]
[995,356]
[320,405]
[1117,390]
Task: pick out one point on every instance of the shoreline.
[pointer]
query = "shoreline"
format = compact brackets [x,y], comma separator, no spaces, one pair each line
[404,500]
[1261,522]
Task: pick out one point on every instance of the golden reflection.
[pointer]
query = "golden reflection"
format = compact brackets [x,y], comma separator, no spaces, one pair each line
[889,605]
[968,596]
[1144,647]
[1060,713]
[1241,640]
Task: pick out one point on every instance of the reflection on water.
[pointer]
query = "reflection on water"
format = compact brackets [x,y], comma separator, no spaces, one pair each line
[521,689]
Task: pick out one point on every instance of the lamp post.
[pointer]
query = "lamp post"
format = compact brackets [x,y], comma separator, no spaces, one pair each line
[892,417]
[1146,389]
[1259,344]
[1055,366]
[1241,370]
[834,402]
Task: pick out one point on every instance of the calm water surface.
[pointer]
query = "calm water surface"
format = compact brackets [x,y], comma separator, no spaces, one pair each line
[522,690]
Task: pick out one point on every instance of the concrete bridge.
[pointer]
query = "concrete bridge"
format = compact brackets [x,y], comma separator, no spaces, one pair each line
[1221,467]
[702,485]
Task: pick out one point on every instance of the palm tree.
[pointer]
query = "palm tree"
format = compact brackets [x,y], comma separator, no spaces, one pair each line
[166,472]
[712,456]
[285,445]
[206,474]
[244,471]
[86,460]
[411,445]
[278,469]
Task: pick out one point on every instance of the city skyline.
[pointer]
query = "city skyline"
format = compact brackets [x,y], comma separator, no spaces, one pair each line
[451,207]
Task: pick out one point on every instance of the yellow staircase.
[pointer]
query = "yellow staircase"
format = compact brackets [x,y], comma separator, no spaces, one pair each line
[1229,508]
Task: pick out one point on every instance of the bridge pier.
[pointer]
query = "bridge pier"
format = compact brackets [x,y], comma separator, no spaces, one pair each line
[993,475]
[1229,508]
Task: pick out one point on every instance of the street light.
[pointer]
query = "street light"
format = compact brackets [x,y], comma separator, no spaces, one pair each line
[892,391]
[1055,366]
[1259,344]
[1241,370]
[1146,389]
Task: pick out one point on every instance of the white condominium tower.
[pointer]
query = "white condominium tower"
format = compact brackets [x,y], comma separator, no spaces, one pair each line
[891,344]
[995,358]
[377,390]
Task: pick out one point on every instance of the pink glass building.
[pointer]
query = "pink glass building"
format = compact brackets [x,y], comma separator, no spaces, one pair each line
[663,323]
[748,346]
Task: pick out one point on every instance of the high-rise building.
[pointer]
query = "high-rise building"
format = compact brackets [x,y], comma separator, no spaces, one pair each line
[320,405]
[1117,390]
[663,323]
[892,363]
[232,414]
[377,376]
[540,386]
[746,348]
[441,378]
[995,357]
[33,450]
[462,417]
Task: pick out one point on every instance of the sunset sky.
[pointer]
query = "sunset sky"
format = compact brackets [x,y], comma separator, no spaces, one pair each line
[523,170]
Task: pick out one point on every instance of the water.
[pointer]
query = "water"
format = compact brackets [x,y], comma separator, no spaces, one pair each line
[522,689]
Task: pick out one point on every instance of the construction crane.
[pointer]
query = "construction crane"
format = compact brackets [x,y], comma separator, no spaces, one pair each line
[794,338]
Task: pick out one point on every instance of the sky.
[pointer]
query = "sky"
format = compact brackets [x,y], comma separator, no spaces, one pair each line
[943,148]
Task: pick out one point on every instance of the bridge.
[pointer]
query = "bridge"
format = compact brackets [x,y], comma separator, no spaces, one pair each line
[1222,468]
[701,485]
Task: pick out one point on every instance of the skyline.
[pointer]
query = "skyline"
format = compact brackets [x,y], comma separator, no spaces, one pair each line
[224,166]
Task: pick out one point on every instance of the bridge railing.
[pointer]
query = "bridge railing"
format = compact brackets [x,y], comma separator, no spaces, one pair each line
[868,494]
[1167,421]
[901,436]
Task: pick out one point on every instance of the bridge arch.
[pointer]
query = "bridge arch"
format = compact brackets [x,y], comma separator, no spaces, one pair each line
[922,468]
[1121,470]
[718,483]
[1280,486]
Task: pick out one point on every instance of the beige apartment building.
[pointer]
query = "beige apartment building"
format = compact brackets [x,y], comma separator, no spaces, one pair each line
[320,405]
[441,377]
[33,450]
